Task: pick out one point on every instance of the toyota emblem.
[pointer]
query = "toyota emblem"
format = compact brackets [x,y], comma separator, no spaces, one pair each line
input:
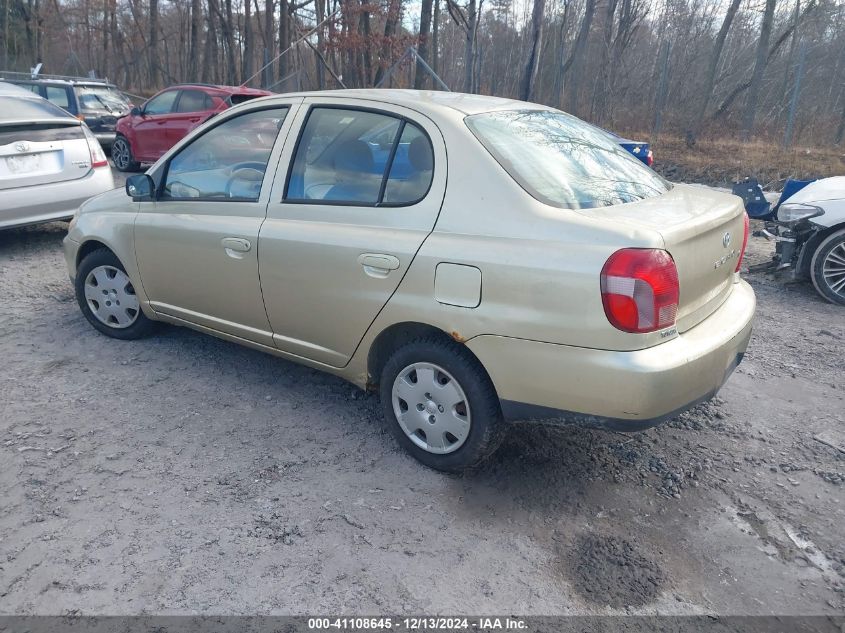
[726,239]
[22,146]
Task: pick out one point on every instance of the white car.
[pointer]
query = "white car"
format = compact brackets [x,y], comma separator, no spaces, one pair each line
[811,232]
[50,162]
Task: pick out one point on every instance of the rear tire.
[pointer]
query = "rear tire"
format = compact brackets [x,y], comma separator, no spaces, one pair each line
[827,268]
[121,155]
[107,298]
[440,405]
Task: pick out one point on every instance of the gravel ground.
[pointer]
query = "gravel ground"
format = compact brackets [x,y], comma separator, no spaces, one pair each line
[185,474]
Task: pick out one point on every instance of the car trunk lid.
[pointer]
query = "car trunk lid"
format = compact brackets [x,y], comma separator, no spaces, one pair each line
[37,153]
[703,231]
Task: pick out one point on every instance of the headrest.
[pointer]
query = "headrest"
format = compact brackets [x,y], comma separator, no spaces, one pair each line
[419,153]
[354,156]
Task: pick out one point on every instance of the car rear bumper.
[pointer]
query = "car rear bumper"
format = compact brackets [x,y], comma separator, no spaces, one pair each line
[55,201]
[619,390]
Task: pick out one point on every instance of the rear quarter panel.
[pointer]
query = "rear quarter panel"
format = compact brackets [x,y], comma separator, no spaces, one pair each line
[540,266]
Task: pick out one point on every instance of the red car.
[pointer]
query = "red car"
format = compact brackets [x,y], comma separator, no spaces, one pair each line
[149,131]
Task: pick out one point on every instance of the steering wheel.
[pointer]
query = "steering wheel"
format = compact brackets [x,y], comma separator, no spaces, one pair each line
[250,171]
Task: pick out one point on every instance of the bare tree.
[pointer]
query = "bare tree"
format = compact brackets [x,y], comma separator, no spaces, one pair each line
[421,75]
[529,75]
[759,69]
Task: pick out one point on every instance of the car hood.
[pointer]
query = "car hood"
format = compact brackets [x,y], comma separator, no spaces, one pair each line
[820,190]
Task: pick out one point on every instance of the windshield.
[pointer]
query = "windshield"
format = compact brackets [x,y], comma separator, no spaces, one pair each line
[564,162]
[101,98]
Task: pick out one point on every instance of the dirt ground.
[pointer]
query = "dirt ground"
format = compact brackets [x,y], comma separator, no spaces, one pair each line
[183,474]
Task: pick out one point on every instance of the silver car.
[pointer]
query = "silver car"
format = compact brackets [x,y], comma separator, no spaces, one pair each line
[50,162]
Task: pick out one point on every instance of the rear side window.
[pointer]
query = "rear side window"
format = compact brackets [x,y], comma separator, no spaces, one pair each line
[58,95]
[564,162]
[193,101]
[162,104]
[227,162]
[357,157]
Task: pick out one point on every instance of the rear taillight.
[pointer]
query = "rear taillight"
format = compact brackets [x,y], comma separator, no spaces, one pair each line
[640,290]
[650,158]
[98,156]
[744,241]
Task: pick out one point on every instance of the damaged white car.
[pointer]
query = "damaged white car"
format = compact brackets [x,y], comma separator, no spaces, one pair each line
[810,230]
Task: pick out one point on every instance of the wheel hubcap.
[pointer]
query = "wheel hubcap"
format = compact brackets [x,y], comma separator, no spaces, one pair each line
[111,297]
[833,269]
[431,408]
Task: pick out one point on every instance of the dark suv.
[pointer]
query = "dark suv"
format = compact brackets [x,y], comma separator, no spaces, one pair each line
[153,128]
[98,103]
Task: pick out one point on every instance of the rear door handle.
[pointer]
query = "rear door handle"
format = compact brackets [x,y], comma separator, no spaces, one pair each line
[236,246]
[377,264]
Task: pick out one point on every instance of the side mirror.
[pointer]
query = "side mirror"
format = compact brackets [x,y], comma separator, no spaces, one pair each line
[140,187]
[136,111]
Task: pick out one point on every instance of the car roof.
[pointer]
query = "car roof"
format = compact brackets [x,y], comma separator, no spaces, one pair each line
[63,82]
[428,100]
[220,88]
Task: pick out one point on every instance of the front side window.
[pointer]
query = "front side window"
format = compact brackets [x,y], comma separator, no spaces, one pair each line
[227,162]
[562,161]
[162,104]
[358,157]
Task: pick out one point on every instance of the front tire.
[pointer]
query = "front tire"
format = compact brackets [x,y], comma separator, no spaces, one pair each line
[107,298]
[440,405]
[827,268]
[121,155]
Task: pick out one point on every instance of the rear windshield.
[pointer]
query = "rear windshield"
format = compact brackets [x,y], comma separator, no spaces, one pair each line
[564,162]
[101,98]
[237,99]
[29,108]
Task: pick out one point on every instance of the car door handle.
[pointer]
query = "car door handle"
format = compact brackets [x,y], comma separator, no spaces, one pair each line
[377,264]
[236,246]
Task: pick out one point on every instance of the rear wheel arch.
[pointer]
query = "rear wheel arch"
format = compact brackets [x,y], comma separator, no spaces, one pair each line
[395,336]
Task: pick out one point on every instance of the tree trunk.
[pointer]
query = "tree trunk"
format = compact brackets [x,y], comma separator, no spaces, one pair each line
[529,75]
[694,127]
[574,63]
[269,41]
[196,28]
[759,70]
[152,43]
[284,40]
[320,8]
[435,39]
[247,34]
[421,78]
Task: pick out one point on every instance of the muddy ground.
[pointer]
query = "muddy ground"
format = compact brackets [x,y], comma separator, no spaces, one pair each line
[186,474]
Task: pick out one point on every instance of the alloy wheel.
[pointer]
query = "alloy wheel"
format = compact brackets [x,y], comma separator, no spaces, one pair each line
[833,269]
[120,154]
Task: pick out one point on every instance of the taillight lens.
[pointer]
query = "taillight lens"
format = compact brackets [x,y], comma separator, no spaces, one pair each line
[98,156]
[744,241]
[640,290]
[650,158]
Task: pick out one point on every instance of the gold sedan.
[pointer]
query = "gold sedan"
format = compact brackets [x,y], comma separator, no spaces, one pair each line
[476,260]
